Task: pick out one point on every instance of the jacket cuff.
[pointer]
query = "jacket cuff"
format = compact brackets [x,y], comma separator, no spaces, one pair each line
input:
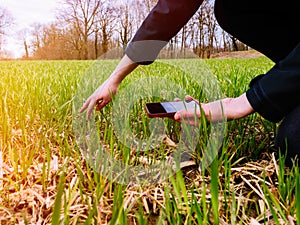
[262,104]
[144,52]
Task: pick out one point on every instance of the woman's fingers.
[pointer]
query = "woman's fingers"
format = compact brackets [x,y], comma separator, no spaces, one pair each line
[188,117]
[84,106]
[189,114]
[90,104]
[190,98]
[91,108]
[98,103]
[187,98]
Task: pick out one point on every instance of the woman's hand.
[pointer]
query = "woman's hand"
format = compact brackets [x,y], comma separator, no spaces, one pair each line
[227,108]
[103,94]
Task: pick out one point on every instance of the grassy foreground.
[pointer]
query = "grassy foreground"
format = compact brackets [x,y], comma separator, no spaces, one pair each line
[44,179]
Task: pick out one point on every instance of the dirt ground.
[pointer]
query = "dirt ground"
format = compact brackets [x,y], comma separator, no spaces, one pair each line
[237,54]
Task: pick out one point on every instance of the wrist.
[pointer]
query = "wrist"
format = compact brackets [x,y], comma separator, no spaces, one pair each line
[227,108]
[236,108]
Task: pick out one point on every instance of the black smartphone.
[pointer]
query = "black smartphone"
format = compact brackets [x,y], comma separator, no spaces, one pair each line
[168,109]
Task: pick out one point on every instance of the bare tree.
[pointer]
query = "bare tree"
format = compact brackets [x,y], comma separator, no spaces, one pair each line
[104,29]
[203,27]
[149,4]
[37,36]
[126,22]
[81,16]
[48,42]
[23,34]
[211,29]
[6,20]
[141,8]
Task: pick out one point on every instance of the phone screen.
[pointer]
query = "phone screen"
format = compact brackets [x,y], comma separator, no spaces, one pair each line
[168,109]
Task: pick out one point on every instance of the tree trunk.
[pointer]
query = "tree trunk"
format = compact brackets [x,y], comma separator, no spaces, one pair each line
[26,49]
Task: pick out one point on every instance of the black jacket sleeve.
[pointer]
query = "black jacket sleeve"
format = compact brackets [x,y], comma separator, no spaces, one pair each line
[163,22]
[276,93]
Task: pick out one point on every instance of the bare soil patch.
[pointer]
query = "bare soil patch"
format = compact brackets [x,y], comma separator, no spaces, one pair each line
[238,54]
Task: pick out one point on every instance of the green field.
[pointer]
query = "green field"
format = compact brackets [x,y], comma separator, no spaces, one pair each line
[45,179]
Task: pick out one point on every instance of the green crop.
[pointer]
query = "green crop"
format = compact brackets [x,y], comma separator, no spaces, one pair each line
[44,177]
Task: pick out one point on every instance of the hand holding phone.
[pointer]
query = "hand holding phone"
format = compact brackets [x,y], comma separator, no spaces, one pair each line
[168,109]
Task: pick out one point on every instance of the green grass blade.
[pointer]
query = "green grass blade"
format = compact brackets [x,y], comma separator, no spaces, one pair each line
[215,190]
[58,200]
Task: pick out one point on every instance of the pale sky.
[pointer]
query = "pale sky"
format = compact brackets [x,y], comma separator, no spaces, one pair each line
[27,12]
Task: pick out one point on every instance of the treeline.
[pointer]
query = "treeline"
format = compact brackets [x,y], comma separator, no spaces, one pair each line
[86,29]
